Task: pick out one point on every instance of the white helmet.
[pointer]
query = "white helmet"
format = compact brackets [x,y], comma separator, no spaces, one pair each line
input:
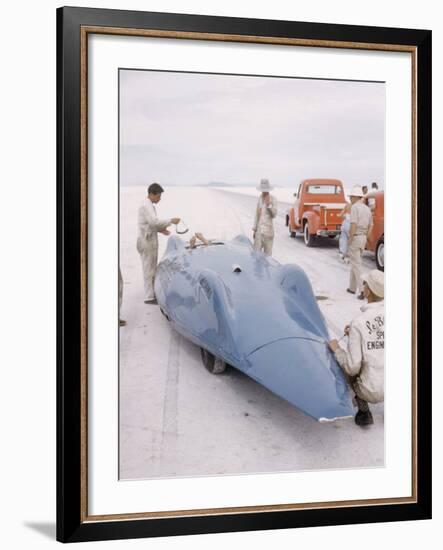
[375,280]
[357,191]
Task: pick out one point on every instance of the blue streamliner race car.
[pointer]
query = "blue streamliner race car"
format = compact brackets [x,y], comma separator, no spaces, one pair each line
[244,309]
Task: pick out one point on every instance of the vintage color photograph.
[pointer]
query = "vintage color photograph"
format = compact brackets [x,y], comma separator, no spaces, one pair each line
[251,274]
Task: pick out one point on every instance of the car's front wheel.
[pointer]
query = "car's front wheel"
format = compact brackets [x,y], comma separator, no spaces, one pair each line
[380,254]
[214,365]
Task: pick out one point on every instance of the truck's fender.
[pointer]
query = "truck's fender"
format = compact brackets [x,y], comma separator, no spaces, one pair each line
[313,221]
[291,222]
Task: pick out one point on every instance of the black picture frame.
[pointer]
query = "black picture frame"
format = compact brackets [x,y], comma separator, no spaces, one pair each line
[72,522]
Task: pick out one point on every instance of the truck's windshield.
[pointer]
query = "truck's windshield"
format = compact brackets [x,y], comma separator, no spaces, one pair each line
[323,189]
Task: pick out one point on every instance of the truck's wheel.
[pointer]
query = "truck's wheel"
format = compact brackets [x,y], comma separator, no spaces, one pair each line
[380,254]
[215,365]
[288,225]
[309,239]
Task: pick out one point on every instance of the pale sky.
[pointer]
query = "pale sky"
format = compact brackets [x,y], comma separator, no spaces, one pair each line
[187,129]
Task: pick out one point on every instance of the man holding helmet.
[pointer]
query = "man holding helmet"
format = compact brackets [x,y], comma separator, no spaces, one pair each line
[147,241]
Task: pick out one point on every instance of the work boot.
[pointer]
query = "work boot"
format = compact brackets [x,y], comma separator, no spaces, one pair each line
[364,418]
[350,291]
[361,296]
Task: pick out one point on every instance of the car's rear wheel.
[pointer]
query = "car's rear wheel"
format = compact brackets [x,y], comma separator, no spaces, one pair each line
[213,364]
[380,254]
[308,237]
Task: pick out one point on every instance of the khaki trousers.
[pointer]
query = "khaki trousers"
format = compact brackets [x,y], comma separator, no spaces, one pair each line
[149,260]
[354,383]
[263,243]
[355,250]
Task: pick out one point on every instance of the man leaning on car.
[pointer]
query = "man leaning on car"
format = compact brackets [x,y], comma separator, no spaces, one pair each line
[363,360]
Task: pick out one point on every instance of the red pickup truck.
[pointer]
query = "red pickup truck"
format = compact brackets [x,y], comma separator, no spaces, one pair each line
[316,211]
[376,240]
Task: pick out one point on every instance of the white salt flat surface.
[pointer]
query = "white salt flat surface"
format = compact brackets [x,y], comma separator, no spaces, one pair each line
[177,419]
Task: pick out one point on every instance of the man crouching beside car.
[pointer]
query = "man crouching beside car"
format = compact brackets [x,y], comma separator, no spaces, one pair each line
[363,361]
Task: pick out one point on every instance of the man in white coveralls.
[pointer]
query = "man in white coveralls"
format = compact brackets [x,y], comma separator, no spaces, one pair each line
[361,226]
[147,241]
[263,229]
[363,362]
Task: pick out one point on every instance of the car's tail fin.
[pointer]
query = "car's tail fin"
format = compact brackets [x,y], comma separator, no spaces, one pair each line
[298,288]
[242,240]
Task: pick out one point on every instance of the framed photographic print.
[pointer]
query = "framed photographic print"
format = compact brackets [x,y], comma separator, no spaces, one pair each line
[234,353]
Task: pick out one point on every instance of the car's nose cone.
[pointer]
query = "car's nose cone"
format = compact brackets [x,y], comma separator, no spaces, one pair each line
[305,373]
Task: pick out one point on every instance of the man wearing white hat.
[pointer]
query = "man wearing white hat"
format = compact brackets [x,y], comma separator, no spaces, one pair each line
[363,362]
[263,229]
[361,226]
